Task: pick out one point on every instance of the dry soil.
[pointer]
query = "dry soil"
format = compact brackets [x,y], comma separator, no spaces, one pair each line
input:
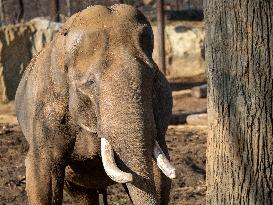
[187,145]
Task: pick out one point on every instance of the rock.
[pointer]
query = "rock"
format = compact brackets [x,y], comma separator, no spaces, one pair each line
[192,118]
[184,53]
[197,119]
[44,33]
[199,91]
[181,93]
[18,44]
[5,118]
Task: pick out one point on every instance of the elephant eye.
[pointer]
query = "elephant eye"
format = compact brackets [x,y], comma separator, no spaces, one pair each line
[87,86]
[90,82]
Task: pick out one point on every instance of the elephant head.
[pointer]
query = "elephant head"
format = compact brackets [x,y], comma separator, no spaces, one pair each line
[117,91]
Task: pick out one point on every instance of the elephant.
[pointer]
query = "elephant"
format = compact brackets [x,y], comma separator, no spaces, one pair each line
[94,108]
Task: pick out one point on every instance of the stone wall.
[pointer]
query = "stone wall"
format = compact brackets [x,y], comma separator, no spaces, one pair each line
[184,53]
[19,43]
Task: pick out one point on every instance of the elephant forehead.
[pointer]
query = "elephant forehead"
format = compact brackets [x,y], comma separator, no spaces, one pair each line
[118,17]
[99,36]
[117,14]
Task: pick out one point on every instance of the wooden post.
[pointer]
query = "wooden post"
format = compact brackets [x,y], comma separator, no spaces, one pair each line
[55,10]
[161,35]
[1,13]
[68,5]
[21,14]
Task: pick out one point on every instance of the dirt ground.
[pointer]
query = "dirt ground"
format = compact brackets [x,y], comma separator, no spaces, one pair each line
[187,145]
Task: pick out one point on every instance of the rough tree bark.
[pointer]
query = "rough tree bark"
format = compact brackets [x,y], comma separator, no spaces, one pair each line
[239,53]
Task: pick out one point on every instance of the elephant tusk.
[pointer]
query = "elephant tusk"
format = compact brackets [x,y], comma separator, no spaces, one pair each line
[110,167]
[163,163]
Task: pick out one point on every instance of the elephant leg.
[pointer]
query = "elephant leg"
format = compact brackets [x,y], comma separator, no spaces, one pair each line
[49,151]
[44,179]
[81,195]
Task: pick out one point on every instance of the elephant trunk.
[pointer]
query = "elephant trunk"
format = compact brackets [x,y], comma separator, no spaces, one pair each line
[127,155]
[128,129]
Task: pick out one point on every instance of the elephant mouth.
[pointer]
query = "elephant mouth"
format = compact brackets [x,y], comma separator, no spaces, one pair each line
[117,175]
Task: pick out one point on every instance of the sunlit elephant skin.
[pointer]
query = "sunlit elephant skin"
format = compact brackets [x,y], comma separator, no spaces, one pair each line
[94,109]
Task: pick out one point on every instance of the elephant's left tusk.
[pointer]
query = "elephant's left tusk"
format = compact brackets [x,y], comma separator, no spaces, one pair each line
[163,163]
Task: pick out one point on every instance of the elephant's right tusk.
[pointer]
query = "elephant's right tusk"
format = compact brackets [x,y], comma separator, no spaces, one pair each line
[109,164]
[163,163]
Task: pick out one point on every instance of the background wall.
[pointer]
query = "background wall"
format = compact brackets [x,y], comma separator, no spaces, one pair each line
[19,43]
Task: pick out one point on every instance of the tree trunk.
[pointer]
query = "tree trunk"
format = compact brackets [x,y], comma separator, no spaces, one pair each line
[239,52]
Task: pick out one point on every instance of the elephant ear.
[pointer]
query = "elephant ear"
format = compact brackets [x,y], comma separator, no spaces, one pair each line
[162,105]
[43,88]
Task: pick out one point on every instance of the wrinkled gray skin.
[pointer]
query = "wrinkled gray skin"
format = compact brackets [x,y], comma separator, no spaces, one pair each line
[95,79]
